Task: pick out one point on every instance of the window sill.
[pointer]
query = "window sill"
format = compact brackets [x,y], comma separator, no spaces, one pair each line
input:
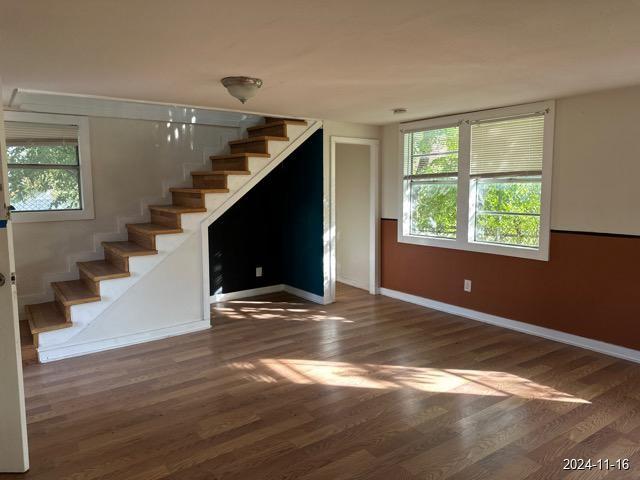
[52,216]
[540,253]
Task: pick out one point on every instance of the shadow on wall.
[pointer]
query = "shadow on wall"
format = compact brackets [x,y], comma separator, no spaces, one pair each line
[278,226]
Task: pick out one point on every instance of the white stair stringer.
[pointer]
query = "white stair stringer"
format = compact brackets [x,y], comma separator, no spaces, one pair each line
[166,294]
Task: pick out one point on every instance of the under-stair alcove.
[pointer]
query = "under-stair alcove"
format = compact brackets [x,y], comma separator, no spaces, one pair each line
[273,237]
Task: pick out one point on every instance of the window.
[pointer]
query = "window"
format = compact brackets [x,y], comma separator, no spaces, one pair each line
[48,167]
[479,181]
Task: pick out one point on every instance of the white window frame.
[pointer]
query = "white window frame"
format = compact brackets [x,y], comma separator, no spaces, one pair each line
[464,232]
[86,212]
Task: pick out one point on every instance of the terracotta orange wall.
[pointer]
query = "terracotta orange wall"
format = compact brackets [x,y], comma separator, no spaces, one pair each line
[589,287]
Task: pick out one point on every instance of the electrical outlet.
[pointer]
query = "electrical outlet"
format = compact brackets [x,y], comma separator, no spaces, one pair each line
[258,271]
[467,285]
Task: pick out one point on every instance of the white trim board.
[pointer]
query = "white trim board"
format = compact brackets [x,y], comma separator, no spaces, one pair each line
[97,106]
[352,283]
[556,335]
[59,353]
[312,297]
[253,292]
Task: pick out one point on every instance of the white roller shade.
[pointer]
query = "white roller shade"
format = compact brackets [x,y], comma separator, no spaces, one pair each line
[507,146]
[25,133]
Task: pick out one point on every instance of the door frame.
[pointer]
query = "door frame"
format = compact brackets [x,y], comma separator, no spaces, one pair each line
[374,211]
[14,452]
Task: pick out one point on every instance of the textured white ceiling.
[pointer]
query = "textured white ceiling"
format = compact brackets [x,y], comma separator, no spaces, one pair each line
[351,60]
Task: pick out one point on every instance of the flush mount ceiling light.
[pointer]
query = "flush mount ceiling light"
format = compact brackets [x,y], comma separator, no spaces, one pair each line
[243,88]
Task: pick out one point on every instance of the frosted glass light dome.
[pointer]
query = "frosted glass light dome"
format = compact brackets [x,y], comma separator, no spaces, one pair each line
[242,88]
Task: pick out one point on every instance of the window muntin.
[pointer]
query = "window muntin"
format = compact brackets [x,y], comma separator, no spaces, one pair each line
[431,168]
[504,153]
[43,167]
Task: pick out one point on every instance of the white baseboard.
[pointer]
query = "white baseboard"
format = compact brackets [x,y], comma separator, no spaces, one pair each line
[225,297]
[353,283]
[59,353]
[312,297]
[558,336]
[252,292]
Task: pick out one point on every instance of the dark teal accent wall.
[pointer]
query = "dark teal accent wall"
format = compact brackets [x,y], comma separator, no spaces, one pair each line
[278,225]
[303,227]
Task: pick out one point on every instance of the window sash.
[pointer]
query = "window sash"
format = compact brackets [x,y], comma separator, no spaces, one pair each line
[43,166]
[449,180]
[409,157]
[427,176]
[511,144]
[531,177]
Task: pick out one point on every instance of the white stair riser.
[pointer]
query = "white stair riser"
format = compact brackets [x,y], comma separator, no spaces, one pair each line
[276,147]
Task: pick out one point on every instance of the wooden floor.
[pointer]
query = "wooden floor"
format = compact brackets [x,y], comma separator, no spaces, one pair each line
[368,388]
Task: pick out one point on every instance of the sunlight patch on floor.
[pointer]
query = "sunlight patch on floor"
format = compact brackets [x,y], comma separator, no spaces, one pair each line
[435,380]
[265,310]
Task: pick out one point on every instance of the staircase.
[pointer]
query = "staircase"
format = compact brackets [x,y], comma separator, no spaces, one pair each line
[78,302]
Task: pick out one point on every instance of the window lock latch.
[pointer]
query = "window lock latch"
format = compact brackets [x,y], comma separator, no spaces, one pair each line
[9,209]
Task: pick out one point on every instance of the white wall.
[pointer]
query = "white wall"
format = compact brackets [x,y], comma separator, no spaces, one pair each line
[346,129]
[352,214]
[596,164]
[131,160]
[390,172]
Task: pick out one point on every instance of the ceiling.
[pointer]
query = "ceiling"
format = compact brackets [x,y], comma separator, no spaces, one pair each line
[350,60]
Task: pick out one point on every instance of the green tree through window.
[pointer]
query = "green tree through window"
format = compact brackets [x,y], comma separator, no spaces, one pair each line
[44,177]
[431,159]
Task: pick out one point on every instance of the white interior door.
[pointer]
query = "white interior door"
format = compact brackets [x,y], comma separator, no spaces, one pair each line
[13,427]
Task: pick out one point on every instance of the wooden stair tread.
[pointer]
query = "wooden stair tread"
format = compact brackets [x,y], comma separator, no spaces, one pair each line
[275,123]
[45,317]
[101,270]
[238,155]
[221,172]
[263,138]
[128,249]
[199,190]
[74,292]
[153,228]
[177,209]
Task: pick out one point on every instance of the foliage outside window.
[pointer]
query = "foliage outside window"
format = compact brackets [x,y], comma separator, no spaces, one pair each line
[477,181]
[432,177]
[43,167]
